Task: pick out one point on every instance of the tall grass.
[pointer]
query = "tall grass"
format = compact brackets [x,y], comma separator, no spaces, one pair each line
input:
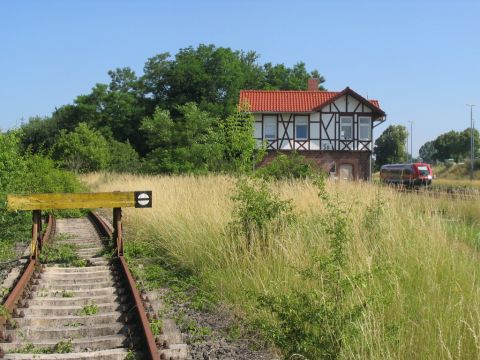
[424,293]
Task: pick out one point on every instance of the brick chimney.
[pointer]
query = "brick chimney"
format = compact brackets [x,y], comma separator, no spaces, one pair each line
[313,84]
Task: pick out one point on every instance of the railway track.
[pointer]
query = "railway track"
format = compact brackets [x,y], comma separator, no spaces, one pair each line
[88,310]
[450,192]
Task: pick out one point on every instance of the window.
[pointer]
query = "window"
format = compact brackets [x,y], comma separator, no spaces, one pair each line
[364,128]
[270,127]
[346,128]
[301,127]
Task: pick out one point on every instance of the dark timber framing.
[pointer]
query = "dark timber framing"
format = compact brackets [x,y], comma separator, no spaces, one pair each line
[327,126]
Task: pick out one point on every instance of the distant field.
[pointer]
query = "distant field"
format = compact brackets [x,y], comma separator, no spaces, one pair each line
[423,293]
[456,176]
[456,183]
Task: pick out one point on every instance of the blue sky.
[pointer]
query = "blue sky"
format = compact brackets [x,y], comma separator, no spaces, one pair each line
[420,59]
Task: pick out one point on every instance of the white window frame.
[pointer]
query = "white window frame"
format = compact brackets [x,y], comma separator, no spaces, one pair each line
[344,122]
[270,122]
[301,120]
[366,123]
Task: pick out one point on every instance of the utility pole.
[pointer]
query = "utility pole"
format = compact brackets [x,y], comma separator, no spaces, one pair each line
[411,141]
[472,141]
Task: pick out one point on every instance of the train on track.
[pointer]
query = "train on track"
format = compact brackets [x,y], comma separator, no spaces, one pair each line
[408,175]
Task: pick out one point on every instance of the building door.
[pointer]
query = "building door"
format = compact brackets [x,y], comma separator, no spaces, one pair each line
[346,172]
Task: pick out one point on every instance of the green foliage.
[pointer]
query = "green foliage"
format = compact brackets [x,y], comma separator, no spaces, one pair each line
[454,145]
[88,310]
[427,152]
[258,211]
[313,323]
[197,142]
[63,347]
[59,253]
[390,146]
[123,157]
[67,294]
[213,76]
[181,145]
[39,134]
[372,221]
[210,137]
[195,332]
[291,166]
[25,173]
[156,326]
[4,312]
[82,150]
[131,355]
[240,151]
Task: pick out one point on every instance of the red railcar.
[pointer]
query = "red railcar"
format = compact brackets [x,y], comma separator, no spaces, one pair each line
[415,174]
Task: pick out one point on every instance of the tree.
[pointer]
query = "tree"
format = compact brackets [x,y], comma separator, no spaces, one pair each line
[12,166]
[448,145]
[212,77]
[39,133]
[454,145]
[280,77]
[390,146]
[150,111]
[241,152]
[82,150]
[427,152]
[123,157]
[185,144]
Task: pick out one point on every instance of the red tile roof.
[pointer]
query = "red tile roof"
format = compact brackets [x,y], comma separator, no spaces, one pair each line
[291,101]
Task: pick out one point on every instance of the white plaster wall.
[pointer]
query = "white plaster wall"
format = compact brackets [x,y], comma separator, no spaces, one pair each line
[257,133]
[315,116]
[285,144]
[352,104]
[331,127]
[314,130]
[325,144]
[341,104]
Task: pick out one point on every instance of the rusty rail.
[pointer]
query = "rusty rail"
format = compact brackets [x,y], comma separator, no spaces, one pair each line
[116,236]
[22,283]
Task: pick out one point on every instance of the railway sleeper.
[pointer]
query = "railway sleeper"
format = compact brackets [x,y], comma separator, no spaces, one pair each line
[79,312]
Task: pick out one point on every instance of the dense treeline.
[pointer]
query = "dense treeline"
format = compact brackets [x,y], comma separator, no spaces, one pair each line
[180,115]
[390,146]
[451,145]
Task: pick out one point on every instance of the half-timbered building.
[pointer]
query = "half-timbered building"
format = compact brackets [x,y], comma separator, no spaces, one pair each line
[334,129]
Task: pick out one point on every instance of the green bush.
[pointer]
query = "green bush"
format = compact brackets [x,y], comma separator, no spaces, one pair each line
[123,158]
[82,150]
[258,211]
[291,166]
[312,324]
[25,174]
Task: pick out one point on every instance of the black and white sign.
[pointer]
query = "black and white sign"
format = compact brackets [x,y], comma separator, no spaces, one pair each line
[143,199]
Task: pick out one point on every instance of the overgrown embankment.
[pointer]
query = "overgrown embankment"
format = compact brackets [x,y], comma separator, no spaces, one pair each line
[386,268]
[25,173]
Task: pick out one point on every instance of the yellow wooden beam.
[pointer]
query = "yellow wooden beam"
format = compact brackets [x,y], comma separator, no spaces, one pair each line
[72,201]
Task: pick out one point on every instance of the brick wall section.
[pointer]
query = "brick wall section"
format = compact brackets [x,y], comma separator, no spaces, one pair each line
[360,160]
